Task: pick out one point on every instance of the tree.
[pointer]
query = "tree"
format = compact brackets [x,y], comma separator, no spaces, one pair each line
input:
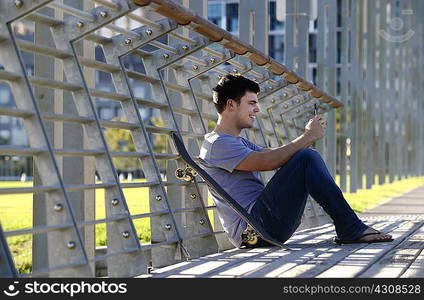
[120,140]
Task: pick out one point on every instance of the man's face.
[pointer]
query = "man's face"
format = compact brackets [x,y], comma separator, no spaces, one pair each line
[246,111]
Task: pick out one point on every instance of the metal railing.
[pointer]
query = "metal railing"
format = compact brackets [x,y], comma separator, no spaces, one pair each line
[180,56]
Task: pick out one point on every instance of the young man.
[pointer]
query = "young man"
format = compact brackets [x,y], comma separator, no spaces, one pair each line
[235,163]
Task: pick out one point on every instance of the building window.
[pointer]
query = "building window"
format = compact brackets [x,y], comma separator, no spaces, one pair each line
[4,120]
[276,47]
[274,24]
[5,134]
[105,113]
[215,13]
[232,17]
[312,48]
[4,94]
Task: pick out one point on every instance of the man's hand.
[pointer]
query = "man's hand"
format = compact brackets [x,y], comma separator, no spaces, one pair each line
[267,160]
[315,128]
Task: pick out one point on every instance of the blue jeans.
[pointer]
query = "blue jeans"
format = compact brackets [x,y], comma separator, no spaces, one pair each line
[280,206]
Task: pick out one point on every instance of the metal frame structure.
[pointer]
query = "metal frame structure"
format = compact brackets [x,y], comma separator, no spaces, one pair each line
[182,57]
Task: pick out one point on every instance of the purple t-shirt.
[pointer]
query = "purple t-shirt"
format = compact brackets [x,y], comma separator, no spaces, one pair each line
[221,153]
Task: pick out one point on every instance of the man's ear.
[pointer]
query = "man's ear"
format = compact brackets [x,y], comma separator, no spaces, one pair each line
[230,104]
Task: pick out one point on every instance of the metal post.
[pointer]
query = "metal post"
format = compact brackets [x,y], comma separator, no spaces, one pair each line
[326,72]
[381,24]
[296,40]
[346,82]
[370,95]
[253,23]
[43,67]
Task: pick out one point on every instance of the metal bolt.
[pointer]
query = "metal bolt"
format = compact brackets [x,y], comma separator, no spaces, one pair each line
[219,76]
[103,14]
[71,245]
[193,196]
[202,221]
[273,100]
[195,67]
[128,41]
[235,71]
[185,48]
[19,3]
[179,173]
[58,207]
[166,55]
[297,110]
[270,88]
[115,202]
[158,198]
[168,226]
[80,24]
[297,100]
[149,32]
[285,106]
[212,60]
[126,234]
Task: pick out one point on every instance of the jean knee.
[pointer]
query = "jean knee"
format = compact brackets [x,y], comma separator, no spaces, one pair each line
[308,153]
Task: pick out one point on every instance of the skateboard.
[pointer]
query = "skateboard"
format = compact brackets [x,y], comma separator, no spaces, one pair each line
[255,231]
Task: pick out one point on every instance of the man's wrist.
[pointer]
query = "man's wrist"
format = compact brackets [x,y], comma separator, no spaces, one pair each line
[308,138]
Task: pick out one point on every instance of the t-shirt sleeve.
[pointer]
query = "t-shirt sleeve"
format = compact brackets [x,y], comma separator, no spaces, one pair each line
[228,152]
[252,145]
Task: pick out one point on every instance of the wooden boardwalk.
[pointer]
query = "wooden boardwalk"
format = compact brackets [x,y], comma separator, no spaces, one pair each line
[314,254]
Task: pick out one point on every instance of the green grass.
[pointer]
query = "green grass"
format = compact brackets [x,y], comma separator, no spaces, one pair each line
[367,198]
[16,212]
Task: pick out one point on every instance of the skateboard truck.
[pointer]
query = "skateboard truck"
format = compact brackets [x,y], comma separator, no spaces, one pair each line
[187,174]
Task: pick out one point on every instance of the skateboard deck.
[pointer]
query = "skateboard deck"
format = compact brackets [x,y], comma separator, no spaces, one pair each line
[211,183]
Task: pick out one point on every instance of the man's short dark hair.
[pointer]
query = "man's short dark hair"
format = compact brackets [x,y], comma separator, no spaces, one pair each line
[232,87]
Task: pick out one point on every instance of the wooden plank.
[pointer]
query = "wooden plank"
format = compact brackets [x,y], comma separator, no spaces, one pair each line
[241,261]
[244,255]
[248,260]
[359,261]
[326,257]
[237,263]
[240,269]
[303,242]
[397,261]
[232,262]
[416,269]
[199,267]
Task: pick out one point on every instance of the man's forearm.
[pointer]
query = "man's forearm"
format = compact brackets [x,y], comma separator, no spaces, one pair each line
[279,156]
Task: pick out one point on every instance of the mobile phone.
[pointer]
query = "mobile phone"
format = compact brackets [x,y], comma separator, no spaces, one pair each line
[315,109]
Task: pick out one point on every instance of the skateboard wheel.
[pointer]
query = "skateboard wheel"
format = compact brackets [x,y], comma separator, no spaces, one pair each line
[253,240]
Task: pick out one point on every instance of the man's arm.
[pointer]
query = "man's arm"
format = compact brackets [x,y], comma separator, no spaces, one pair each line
[265,150]
[267,159]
